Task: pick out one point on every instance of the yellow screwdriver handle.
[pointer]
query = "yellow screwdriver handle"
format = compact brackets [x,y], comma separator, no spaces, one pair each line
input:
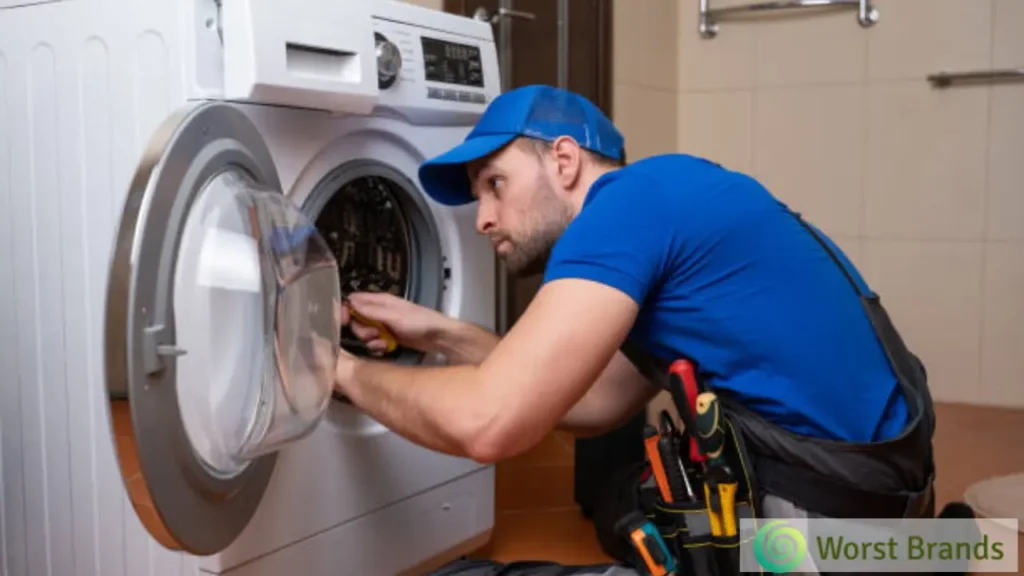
[384,334]
[727,495]
[724,523]
[714,517]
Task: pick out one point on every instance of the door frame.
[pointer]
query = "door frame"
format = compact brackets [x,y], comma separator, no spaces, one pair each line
[603,62]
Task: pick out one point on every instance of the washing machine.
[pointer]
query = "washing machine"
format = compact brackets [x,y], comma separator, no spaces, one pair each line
[188,188]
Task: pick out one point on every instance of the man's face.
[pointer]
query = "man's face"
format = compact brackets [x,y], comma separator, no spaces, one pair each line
[521,207]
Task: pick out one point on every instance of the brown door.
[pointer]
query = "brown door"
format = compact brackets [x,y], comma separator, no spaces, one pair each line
[530,56]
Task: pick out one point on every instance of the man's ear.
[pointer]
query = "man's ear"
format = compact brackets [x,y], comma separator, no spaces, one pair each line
[569,158]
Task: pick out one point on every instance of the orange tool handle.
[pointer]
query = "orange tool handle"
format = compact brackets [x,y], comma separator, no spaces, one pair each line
[651,438]
[639,538]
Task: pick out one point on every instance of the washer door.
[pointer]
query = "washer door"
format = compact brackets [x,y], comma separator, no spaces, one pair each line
[222,328]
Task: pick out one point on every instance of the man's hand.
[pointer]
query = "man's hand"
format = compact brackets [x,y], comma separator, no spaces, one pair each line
[419,328]
[413,325]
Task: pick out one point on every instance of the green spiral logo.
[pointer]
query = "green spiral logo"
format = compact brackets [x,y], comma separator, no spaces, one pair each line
[778,547]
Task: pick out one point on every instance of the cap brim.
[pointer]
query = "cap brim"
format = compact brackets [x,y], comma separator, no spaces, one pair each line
[444,178]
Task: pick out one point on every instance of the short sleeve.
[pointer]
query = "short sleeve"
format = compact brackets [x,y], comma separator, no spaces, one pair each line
[622,238]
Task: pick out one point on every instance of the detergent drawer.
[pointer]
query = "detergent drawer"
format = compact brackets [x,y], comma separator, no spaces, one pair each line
[318,54]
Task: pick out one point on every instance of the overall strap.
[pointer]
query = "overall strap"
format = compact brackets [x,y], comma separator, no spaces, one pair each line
[828,250]
[909,369]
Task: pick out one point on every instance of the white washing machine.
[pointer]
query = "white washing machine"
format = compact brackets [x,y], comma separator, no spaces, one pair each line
[187,188]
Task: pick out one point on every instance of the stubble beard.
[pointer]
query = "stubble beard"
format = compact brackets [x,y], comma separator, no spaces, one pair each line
[548,219]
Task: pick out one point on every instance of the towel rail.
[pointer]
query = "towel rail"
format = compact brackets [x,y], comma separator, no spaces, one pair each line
[867,14]
[946,79]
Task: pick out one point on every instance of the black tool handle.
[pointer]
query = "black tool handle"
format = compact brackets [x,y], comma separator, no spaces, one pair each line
[670,461]
[666,425]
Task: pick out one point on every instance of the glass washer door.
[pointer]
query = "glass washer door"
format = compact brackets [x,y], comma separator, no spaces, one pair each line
[222,328]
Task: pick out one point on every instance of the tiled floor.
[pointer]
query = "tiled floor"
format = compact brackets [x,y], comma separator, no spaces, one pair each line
[536,518]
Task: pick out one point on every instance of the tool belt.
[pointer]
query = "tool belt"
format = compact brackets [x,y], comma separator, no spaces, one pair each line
[700,482]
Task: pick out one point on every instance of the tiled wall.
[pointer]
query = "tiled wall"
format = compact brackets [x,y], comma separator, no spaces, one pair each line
[924,188]
[644,70]
[435,4]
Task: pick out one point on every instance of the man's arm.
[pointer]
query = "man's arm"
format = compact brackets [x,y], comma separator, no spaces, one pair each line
[534,376]
[619,394]
[464,343]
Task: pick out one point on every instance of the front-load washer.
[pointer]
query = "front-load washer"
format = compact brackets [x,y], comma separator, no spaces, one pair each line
[187,189]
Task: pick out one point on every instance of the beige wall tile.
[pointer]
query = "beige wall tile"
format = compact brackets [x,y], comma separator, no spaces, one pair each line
[644,47]
[1008,43]
[1003,335]
[914,38]
[434,4]
[926,161]
[723,62]
[932,291]
[717,126]
[647,119]
[808,150]
[811,48]
[1006,168]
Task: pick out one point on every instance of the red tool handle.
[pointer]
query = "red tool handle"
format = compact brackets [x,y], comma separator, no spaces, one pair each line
[683,369]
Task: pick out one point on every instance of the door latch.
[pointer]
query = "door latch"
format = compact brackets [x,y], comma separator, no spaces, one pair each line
[154,350]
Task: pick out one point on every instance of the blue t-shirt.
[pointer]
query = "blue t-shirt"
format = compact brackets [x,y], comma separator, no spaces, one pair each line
[726,275]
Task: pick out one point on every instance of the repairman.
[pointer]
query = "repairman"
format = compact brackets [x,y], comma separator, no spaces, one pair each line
[681,259]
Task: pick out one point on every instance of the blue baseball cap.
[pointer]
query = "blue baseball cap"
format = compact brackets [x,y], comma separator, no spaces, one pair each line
[537,111]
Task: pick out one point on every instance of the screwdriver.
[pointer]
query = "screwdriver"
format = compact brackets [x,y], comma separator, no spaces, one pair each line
[651,441]
[390,342]
[672,438]
[648,543]
[709,427]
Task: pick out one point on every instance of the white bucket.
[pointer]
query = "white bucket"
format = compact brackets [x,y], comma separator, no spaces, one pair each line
[998,497]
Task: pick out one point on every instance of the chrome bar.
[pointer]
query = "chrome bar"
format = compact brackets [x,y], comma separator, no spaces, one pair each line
[867,14]
[945,79]
[515,14]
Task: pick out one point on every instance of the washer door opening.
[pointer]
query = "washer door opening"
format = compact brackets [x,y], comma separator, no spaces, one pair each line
[383,237]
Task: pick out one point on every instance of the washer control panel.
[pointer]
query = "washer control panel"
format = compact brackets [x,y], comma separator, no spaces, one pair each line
[436,70]
[452,62]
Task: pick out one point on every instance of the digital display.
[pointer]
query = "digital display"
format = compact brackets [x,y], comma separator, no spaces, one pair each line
[452,63]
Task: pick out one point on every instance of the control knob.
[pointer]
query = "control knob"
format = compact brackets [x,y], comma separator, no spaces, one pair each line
[389,61]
